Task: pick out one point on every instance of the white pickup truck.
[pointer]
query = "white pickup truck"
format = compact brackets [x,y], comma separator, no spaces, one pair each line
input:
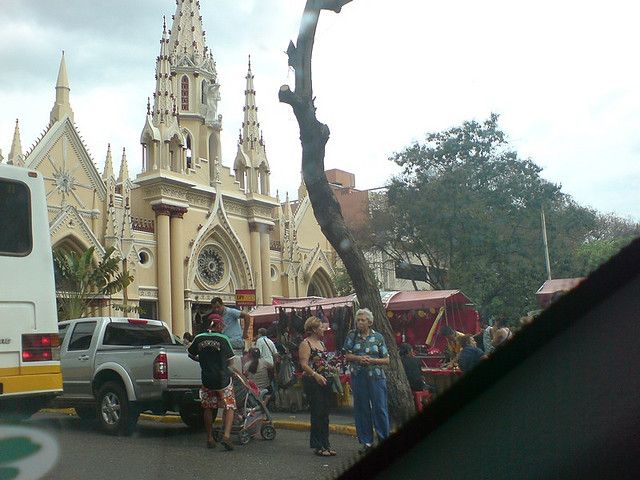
[115,368]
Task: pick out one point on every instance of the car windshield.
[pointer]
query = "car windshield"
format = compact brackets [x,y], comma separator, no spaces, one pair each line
[340,210]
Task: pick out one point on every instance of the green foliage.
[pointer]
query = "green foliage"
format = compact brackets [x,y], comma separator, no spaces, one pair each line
[468,205]
[592,254]
[342,282]
[81,281]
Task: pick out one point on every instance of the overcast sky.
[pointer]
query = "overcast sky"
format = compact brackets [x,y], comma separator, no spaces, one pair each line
[564,77]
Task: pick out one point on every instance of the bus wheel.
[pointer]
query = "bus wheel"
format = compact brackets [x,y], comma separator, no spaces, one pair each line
[115,413]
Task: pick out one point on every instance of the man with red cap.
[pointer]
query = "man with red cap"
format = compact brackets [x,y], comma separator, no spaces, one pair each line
[213,351]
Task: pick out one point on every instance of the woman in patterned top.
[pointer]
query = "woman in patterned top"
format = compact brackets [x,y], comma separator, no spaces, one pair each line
[316,382]
[367,353]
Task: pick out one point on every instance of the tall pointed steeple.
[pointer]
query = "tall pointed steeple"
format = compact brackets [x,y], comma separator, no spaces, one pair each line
[187,34]
[124,168]
[251,148]
[163,98]
[108,165]
[62,107]
[250,125]
[15,154]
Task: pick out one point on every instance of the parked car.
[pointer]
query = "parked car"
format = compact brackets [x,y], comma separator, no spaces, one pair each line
[115,368]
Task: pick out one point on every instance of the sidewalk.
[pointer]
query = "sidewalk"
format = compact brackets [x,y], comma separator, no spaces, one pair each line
[341,422]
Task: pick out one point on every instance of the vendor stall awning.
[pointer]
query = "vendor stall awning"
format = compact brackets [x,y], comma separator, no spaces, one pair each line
[559,285]
[414,300]
[272,312]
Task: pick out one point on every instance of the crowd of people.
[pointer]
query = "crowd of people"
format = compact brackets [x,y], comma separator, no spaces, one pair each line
[219,351]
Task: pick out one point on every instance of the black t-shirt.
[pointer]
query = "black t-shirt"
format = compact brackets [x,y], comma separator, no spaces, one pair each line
[213,351]
[413,370]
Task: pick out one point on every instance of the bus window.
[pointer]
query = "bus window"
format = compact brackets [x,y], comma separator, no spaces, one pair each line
[15,218]
[82,335]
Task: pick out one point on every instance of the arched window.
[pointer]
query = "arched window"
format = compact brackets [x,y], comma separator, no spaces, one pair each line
[203,94]
[184,92]
[188,152]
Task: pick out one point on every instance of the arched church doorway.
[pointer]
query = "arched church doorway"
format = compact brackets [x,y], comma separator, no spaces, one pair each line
[320,285]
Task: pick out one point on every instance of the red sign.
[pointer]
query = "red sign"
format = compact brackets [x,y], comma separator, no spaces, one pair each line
[246,298]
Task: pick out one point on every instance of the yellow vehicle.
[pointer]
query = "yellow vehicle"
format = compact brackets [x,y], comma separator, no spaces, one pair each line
[30,372]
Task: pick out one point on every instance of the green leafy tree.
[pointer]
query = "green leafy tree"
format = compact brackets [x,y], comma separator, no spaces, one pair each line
[610,235]
[468,207]
[342,282]
[80,281]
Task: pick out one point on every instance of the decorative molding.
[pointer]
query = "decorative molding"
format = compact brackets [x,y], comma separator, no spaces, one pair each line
[177,212]
[198,200]
[143,224]
[161,209]
[264,212]
[148,292]
[236,208]
[66,224]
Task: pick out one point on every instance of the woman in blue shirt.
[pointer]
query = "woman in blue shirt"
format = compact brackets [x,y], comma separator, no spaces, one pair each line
[367,354]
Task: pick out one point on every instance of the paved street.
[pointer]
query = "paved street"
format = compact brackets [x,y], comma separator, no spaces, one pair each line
[171,450]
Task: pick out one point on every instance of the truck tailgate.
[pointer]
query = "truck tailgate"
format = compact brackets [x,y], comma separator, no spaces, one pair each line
[183,372]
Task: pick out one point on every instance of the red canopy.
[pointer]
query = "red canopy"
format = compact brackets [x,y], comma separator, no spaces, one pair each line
[552,287]
[415,300]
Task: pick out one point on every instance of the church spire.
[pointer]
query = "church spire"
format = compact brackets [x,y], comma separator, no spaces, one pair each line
[124,168]
[108,165]
[62,107]
[15,154]
[250,125]
[187,34]
[163,98]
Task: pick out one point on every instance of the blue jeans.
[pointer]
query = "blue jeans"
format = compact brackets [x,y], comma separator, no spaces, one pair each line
[370,407]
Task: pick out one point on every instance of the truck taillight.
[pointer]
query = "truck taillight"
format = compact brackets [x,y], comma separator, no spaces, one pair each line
[161,367]
[40,347]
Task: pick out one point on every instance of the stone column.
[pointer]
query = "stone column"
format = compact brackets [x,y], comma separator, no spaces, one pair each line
[265,263]
[256,263]
[177,271]
[164,262]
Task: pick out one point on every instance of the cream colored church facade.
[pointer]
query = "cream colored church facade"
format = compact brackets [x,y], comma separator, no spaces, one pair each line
[188,227]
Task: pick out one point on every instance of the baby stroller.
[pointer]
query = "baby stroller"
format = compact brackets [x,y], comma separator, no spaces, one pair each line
[251,416]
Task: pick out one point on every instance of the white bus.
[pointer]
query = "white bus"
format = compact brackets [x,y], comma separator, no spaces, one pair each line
[30,373]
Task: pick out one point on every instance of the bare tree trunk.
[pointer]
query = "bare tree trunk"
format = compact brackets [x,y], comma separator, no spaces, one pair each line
[314,136]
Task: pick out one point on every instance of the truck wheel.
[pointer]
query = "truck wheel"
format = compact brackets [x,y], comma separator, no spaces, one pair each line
[115,413]
[86,413]
[192,415]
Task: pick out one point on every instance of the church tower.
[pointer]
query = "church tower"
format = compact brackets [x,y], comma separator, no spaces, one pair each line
[185,107]
[251,166]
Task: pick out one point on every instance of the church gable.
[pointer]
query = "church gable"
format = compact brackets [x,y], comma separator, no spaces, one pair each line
[70,223]
[70,175]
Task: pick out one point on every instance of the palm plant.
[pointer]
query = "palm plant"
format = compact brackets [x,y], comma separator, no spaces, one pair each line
[80,281]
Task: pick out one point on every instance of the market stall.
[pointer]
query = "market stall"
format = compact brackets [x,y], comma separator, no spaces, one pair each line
[417,316]
[285,325]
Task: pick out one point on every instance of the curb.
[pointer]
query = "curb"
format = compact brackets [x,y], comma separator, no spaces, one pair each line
[349,430]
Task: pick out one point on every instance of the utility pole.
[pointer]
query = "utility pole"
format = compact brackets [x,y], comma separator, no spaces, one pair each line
[546,244]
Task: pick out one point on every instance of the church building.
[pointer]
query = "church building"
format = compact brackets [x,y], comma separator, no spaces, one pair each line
[189,227]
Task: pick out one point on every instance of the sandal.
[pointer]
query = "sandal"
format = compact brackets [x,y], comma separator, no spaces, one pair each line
[211,443]
[321,452]
[226,443]
[331,452]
